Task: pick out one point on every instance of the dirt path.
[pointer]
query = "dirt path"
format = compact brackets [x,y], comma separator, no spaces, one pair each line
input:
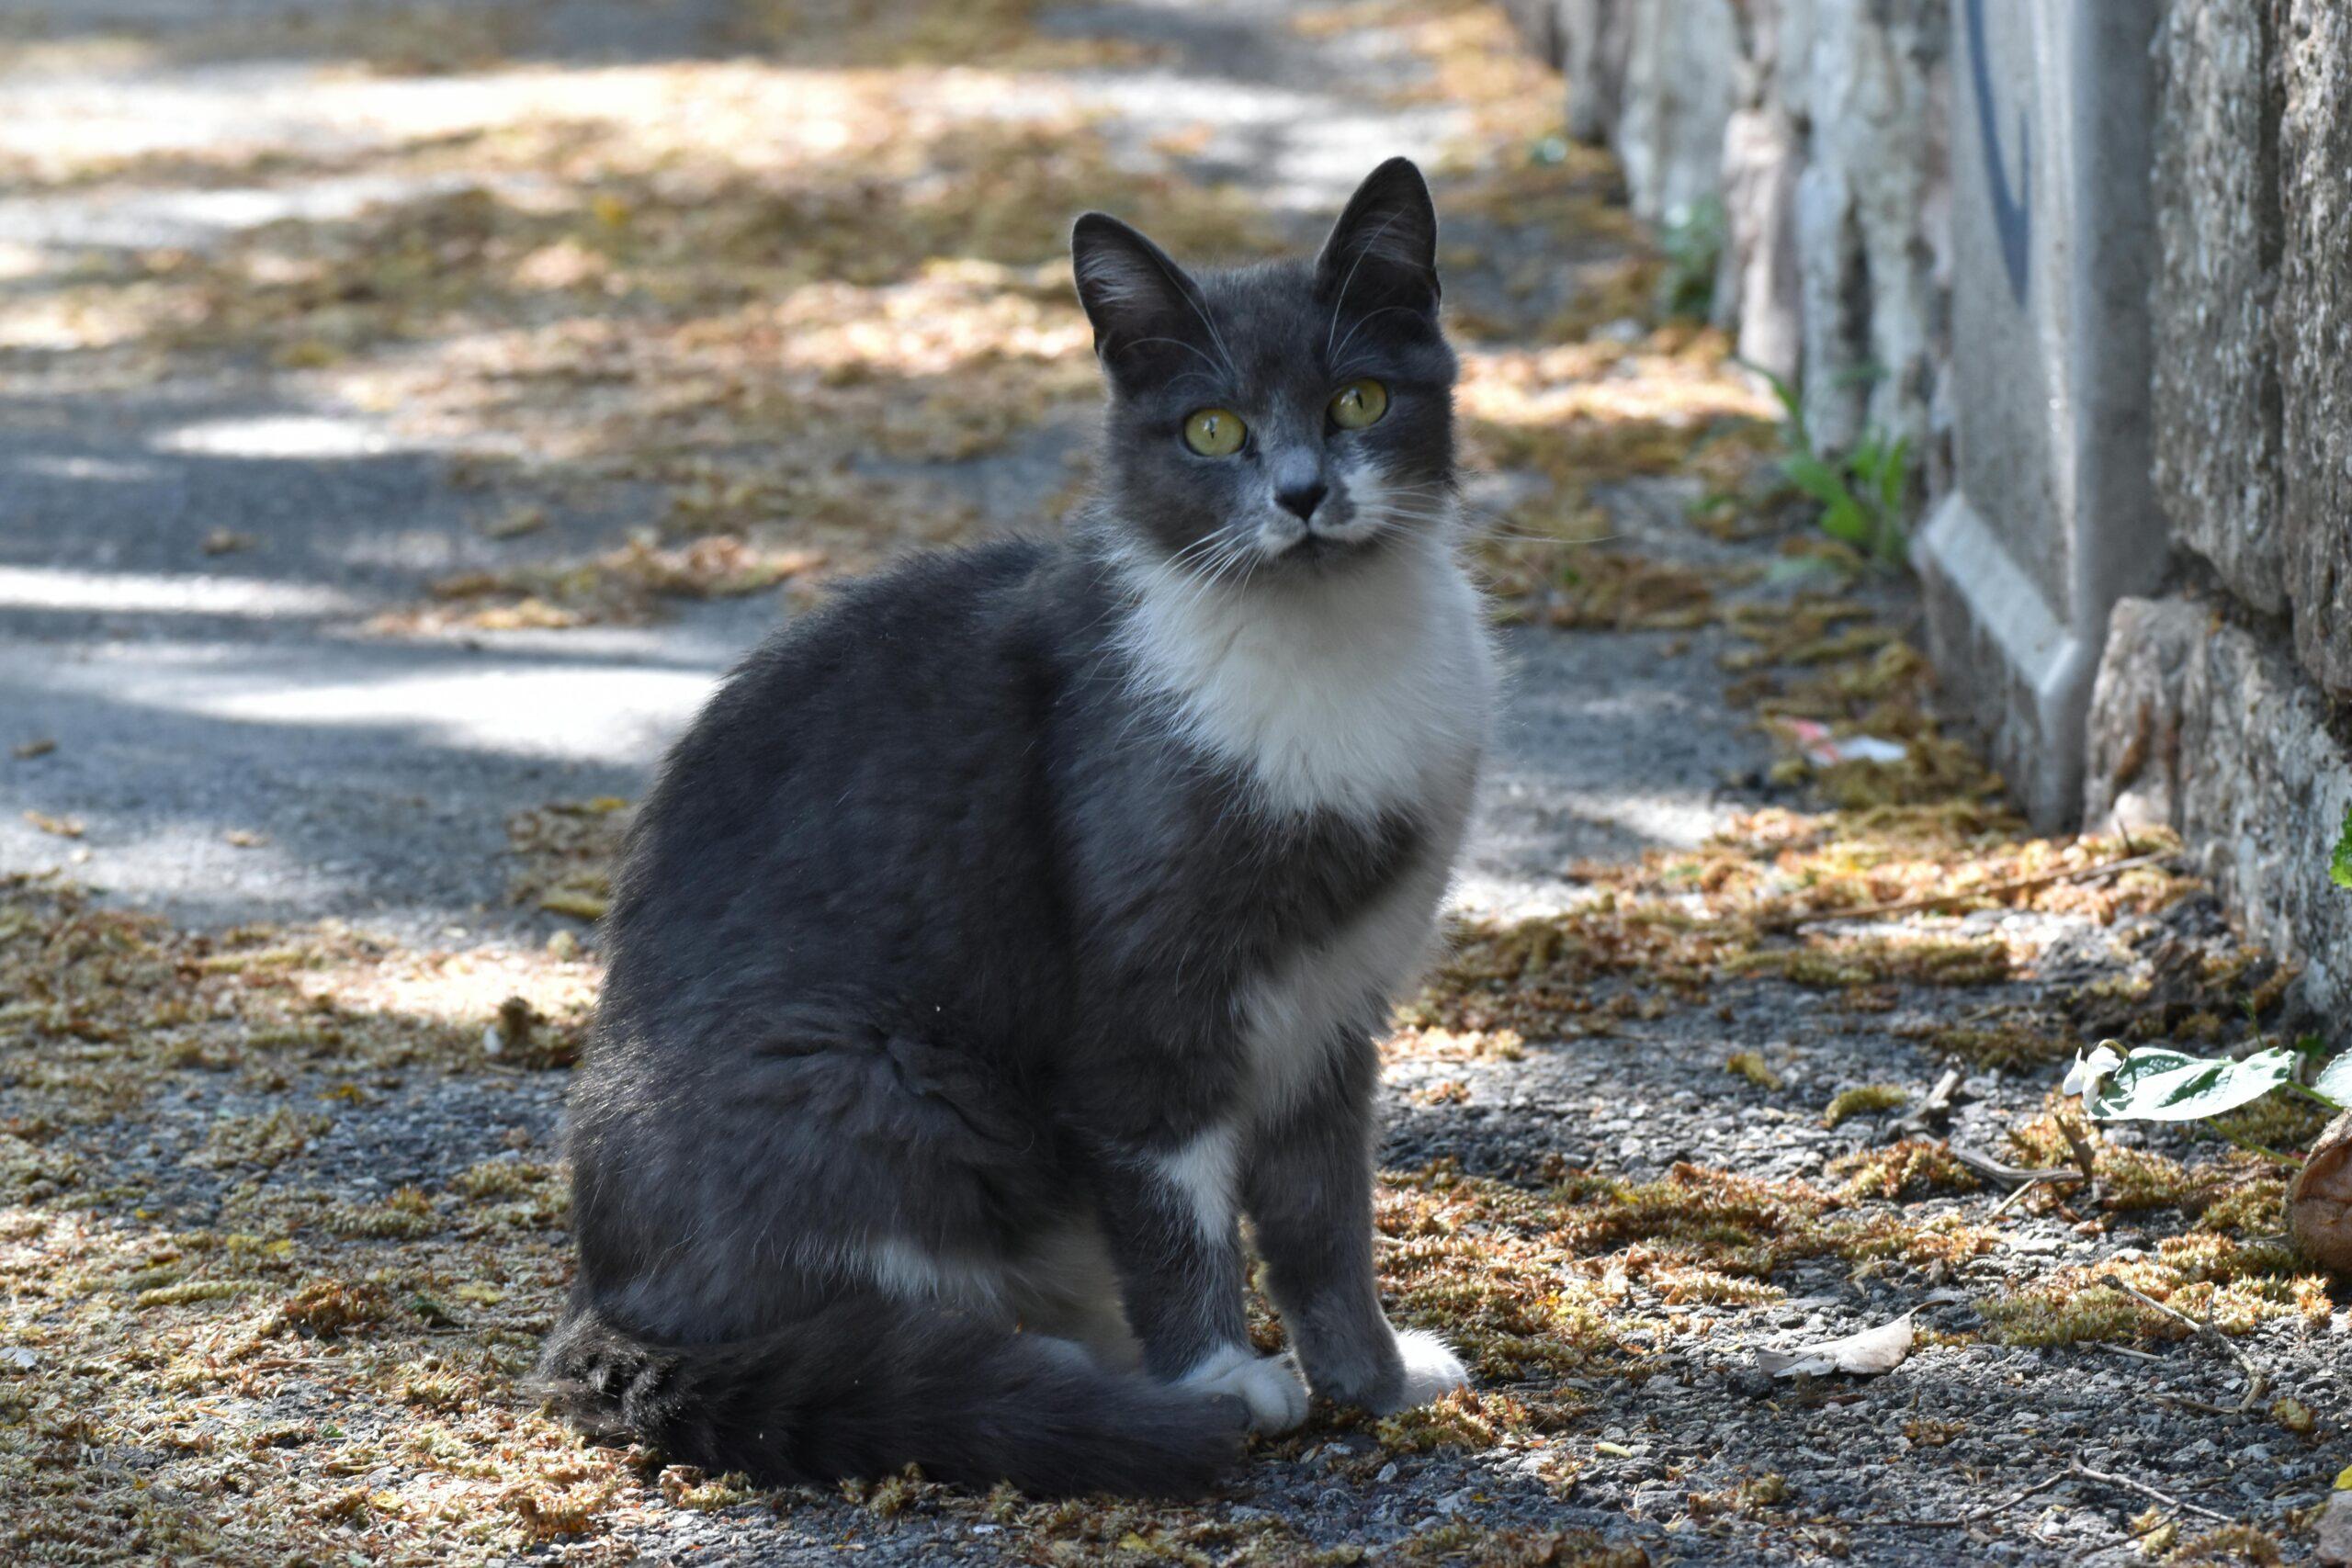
[405,414]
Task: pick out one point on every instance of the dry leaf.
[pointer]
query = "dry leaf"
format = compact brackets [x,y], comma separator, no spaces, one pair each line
[1866,1354]
[2319,1202]
[32,749]
[63,826]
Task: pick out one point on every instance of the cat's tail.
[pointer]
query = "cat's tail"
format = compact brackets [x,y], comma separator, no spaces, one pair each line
[868,1386]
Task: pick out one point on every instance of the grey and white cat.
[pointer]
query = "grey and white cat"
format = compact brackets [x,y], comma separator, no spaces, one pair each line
[1001,936]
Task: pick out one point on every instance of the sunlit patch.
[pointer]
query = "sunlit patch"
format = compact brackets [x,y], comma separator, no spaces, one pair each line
[60,588]
[306,436]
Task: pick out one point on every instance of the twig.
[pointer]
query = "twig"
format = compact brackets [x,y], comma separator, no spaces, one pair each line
[2203,1406]
[1936,1108]
[1991,890]
[2042,1485]
[1991,1169]
[2125,1350]
[2077,1467]
[2085,1160]
[2019,1191]
[2255,1381]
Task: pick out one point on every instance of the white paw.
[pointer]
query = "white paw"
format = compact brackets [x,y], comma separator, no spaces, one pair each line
[1268,1387]
[1432,1369]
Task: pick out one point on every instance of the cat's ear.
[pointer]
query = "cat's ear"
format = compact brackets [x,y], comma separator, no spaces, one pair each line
[1383,251]
[1142,304]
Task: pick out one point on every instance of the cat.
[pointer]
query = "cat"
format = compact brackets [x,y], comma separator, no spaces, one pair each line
[1005,932]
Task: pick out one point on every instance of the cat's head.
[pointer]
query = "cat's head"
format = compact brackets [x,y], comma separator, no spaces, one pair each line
[1290,417]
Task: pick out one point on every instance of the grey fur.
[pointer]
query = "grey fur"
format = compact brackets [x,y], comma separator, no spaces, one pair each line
[952,952]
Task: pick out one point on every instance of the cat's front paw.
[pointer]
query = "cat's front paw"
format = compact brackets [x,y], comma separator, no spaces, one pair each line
[1268,1387]
[1431,1369]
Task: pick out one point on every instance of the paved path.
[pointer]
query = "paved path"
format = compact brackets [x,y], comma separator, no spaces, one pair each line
[191,696]
[280,1228]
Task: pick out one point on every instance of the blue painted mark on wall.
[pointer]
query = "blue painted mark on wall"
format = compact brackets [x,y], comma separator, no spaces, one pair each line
[2012,212]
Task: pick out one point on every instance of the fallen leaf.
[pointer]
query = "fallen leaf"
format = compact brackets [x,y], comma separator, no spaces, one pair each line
[32,749]
[63,826]
[2319,1201]
[245,838]
[1866,1354]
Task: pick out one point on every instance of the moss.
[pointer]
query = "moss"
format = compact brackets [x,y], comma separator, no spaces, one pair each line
[1914,1168]
[330,1308]
[1464,1419]
[2010,1047]
[1864,1099]
[2231,1543]
[1468,1543]
[1746,1500]
[406,1215]
[2233,1285]
[2277,1122]
[194,1291]
[1750,1065]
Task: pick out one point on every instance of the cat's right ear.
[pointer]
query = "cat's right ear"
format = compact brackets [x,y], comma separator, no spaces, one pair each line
[1143,304]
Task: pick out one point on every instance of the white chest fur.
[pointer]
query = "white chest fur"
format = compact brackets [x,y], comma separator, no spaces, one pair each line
[1363,691]
[1367,691]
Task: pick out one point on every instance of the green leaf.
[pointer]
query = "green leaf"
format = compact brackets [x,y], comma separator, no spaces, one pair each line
[2159,1085]
[1845,521]
[2339,870]
[2335,1082]
[1894,477]
[1815,477]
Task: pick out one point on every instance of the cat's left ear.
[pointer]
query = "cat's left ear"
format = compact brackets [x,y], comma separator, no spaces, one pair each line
[1383,251]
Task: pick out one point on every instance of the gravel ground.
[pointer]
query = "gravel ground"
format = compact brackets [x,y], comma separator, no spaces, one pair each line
[215,735]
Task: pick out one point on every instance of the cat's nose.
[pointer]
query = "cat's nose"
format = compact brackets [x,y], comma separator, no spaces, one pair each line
[1301,497]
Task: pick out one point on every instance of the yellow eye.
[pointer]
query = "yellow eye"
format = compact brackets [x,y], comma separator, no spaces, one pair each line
[1215,432]
[1359,403]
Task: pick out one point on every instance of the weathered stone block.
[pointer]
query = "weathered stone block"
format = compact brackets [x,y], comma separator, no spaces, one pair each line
[2051,516]
[1594,37]
[1537,22]
[1681,68]
[1758,291]
[2315,321]
[2213,731]
[2216,391]
[1872,215]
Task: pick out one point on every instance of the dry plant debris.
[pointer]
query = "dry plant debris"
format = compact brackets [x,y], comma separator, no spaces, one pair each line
[265,1295]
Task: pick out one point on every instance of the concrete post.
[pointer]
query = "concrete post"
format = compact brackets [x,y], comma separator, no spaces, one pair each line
[2051,517]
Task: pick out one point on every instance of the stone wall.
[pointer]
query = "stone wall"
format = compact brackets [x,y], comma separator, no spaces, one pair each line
[2212,728]
[2222,707]
[2159,431]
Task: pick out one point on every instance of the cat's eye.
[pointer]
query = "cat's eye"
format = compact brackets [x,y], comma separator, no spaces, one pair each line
[1359,403]
[1215,432]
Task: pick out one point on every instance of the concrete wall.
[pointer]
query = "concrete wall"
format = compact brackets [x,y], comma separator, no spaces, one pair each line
[2100,254]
